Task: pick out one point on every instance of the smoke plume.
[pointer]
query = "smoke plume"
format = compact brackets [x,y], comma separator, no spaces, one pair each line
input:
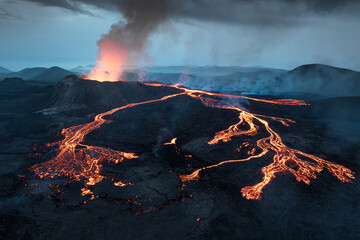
[144,16]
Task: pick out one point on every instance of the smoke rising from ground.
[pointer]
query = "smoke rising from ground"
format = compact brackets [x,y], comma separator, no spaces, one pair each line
[143,17]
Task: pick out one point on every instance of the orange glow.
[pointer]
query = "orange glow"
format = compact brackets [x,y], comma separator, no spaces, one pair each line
[75,160]
[85,191]
[110,62]
[285,160]
[172,142]
[78,161]
[121,184]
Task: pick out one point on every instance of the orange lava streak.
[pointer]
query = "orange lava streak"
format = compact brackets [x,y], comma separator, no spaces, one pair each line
[289,102]
[172,142]
[121,184]
[195,175]
[302,170]
[234,130]
[85,191]
[76,160]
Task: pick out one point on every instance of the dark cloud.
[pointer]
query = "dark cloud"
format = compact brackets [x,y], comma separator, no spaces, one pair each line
[327,6]
[224,10]
[143,17]
[70,5]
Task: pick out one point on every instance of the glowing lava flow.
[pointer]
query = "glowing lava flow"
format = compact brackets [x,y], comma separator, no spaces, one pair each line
[172,142]
[76,160]
[285,159]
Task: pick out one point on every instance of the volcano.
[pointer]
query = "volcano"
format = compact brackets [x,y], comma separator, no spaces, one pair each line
[154,161]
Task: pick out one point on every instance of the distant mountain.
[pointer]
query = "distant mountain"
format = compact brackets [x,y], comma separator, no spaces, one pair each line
[166,78]
[312,81]
[251,81]
[4,70]
[321,79]
[26,74]
[82,69]
[53,74]
[244,79]
[204,71]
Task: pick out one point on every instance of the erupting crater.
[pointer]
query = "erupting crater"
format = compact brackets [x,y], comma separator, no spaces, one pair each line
[110,61]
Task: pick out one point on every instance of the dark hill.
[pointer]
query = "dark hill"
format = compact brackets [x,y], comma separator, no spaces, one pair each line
[26,74]
[74,93]
[4,70]
[339,108]
[52,74]
[13,85]
[321,79]
[252,80]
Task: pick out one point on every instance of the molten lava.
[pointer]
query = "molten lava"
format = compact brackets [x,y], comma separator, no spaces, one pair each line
[110,62]
[172,142]
[75,160]
[78,161]
[283,155]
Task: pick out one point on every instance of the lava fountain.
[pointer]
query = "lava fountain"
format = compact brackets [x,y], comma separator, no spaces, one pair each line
[110,61]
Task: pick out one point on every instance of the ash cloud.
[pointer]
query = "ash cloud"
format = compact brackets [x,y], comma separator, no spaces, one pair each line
[143,17]
[234,11]
[69,5]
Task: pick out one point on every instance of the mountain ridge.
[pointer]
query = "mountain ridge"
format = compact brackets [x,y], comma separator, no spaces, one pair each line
[53,74]
[4,70]
[319,78]
[26,73]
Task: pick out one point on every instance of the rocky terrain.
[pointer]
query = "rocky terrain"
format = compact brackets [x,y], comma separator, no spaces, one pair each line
[157,204]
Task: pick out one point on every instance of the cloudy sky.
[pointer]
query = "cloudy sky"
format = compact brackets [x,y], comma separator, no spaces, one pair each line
[272,33]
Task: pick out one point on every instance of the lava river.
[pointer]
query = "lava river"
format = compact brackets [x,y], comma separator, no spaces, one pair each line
[78,161]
